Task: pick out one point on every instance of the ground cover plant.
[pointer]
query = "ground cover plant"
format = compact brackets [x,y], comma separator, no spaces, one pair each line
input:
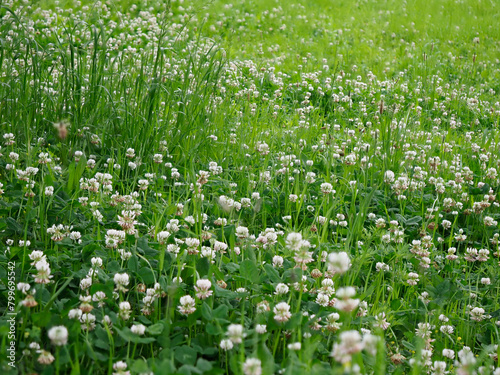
[256,187]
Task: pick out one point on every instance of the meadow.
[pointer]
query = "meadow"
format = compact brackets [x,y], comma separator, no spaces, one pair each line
[249,187]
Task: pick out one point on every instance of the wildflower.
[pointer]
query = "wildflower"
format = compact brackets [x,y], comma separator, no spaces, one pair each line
[439,368]
[75,236]
[37,256]
[9,139]
[485,281]
[58,232]
[338,263]
[75,314]
[192,244]
[121,281]
[447,329]
[380,266]
[443,318]
[389,177]
[202,177]
[281,289]
[23,287]
[252,366]
[448,353]
[424,330]
[113,238]
[332,322]
[138,329]
[130,153]
[226,344]
[293,241]
[162,237]
[345,302]
[451,254]
[322,299]
[489,222]
[88,321]
[158,158]
[58,335]
[187,305]
[99,297]
[85,283]
[262,307]
[397,358]
[45,358]
[327,188]
[124,310]
[413,278]
[127,221]
[203,288]
[295,346]
[483,255]
[277,261]
[235,333]
[381,322]
[120,367]
[282,312]
[350,343]
[220,246]
[261,328]
[477,314]
[43,276]
[242,232]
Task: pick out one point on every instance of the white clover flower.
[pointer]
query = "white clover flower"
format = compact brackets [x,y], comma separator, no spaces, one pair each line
[120,367]
[293,241]
[75,314]
[485,281]
[138,329]
[23,287]
[162,237]
[96,262]
[281,289]
[121,280]
[49,191]
[338,263]
[58,335]
[277,261]
[252,366]
[192,242]
[327,188]
[380,266]
[125,310]
[322,299]
[242,232]
[261,328]
[389,176]
[203,288]
[282,312]
[447,329]
[187,305]
[413,278]
[350,343]
[235,333]
[449,353]
[226,344]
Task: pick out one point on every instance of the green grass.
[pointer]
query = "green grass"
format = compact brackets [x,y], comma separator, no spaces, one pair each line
[272,100]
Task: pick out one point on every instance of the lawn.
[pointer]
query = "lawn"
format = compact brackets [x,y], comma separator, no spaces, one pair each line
[249,187]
